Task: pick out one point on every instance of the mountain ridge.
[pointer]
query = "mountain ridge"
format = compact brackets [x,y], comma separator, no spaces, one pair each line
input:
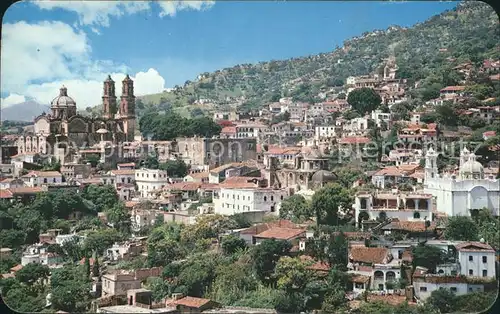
[467,32]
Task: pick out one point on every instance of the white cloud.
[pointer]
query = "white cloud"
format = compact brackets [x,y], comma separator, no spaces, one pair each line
[88,93]
[37,59]
[96,12]
[171,7]
[99,13]
[43,51]
[12,99]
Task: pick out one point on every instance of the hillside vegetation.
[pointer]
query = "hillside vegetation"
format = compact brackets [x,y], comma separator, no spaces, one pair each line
[425,52]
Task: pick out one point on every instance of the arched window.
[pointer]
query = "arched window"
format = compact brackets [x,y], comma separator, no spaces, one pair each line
[265,198]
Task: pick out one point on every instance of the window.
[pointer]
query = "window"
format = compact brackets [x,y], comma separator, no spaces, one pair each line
[265,198]
[471,272]
[272,198]
[485,259]
[485,273]
[423,289]
[453,289]
[281,197]
[471,258]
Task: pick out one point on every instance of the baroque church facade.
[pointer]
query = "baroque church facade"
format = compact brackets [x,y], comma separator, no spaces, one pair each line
[63,126]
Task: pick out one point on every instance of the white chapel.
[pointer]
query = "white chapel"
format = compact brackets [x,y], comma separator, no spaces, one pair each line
[458,195]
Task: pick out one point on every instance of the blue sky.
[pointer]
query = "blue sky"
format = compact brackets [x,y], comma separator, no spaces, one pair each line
[191,38]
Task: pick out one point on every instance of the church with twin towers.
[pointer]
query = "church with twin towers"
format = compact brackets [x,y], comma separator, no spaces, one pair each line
[64,125]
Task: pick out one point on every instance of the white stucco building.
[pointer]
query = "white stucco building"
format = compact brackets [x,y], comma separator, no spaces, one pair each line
[324,132]
[40,178]
[230,201]
[458,195]
[404,206]
[149,180]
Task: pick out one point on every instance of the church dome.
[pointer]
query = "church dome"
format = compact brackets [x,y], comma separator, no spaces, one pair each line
[472,167]
[323,176]
[63,100]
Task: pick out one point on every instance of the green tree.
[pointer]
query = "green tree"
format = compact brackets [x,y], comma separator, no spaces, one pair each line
[175,168]
[266,255]
[442,299]
[461,228]
[70,290]
[231,283]
[364,100]
[100,240]
[292,274]
[232,244]
[427,256]
[327,201]
[86,267]
[33,273]
[119,216]
[102,196]
[295,208]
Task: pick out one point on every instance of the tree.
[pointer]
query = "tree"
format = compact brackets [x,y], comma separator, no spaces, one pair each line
[95,268]
[488,226]
[70,290]
[232,244]
[100,240]
[292,274]
[350,114]
[86,267]
[231,283]
[164,246]
[266,255]
[102,196]
[443,300]
[293,302]
[327,201]
[364,100]
[119,217]
[33,273]
[461,228]
[175,168]
[295,208]
[160,288]
[427,256]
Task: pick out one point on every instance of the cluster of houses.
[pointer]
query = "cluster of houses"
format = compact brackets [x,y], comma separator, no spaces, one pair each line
[243,171]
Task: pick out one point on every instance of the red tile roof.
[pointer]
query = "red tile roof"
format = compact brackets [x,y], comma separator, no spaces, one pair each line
[354,140]
[453,88]
[129,172]
[360,278]
[26,190]
[229,129]
[474,247]
[372,255]
[280,233]
[5,194]
[43,174]
[126,164]
[192,302]
[16,268]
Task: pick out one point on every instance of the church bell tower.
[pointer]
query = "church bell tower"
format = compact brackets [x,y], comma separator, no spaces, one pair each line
[109,98]
[127,108]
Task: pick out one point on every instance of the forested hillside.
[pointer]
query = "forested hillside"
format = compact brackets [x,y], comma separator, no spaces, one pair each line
[425,52]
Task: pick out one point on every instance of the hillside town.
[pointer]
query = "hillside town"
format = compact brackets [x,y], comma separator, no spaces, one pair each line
[364,198]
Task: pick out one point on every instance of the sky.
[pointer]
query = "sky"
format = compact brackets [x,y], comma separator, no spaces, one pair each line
[47,44]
